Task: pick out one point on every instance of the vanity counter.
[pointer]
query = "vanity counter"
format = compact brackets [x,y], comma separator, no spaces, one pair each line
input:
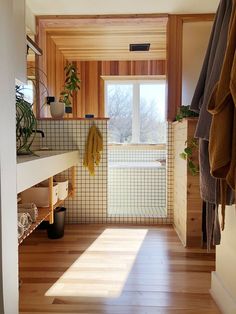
[32,169]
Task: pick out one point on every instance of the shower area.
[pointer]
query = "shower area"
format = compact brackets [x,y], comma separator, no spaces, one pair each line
[137,150]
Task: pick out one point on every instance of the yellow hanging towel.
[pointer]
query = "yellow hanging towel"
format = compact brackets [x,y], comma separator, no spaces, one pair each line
[93,149]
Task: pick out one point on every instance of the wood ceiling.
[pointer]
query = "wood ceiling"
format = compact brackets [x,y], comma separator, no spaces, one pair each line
[107,38]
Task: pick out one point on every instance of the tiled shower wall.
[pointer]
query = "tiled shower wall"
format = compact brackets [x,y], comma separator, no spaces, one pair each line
[139,187]
[119,154]
[90,202]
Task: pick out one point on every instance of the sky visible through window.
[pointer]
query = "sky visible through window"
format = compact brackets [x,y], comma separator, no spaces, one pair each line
[136,111]
[157,92]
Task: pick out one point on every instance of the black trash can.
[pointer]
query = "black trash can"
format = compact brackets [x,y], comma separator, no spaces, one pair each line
[56,230]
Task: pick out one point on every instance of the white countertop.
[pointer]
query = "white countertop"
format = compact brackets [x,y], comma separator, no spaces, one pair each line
[32,169]
[39,155]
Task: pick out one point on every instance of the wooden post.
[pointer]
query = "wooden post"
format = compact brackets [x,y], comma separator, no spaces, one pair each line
[50,200]
[73,180]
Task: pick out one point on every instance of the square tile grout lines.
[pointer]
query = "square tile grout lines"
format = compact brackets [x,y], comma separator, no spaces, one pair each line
[91,200]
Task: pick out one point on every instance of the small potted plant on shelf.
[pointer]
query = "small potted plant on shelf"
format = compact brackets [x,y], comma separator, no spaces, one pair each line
[71,85]
[72,82]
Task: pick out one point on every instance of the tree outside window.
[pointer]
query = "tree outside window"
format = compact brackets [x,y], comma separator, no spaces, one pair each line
[136,111]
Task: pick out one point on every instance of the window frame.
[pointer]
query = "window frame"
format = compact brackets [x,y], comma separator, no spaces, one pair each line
[135,102]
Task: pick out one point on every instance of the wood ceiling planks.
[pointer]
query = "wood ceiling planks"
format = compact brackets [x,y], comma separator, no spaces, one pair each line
[107,39]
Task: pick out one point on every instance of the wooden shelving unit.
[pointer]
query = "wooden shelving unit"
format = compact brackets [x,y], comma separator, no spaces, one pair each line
[43,214]
[46,213]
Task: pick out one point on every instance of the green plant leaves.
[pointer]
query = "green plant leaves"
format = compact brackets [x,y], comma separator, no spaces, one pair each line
[187,154]
[188,151]
[72,82]
[183,156]
[185,112]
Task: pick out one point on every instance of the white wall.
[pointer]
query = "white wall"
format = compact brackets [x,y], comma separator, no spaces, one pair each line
[8,227]
[30,21]
[40,7]
[195,41]
[223,286]
[19,55]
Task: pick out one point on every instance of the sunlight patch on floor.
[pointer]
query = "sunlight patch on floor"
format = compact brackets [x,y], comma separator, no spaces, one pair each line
[102,270]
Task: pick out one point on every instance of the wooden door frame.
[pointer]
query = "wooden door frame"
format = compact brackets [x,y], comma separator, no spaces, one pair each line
[174,58]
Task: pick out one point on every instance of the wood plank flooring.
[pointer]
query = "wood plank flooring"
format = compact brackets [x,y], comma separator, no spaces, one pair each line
[165,277]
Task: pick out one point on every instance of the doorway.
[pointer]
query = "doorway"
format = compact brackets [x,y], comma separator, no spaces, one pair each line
[137,138]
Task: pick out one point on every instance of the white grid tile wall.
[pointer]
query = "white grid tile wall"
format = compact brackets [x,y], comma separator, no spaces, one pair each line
[90,202]
[119,155]
[137,191]
[136,184]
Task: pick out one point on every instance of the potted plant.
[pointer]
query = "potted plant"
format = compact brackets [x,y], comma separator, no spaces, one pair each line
[185,112]
[72,82]
[71,85]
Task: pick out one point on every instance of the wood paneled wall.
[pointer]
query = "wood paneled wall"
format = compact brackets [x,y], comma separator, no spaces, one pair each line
[93,103]
[187,200]
[90,97]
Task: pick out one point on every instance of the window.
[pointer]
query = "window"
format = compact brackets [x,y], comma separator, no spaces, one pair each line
[136,111]
[28,91]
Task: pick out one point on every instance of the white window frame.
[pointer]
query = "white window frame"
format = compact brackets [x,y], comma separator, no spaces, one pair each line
[136,101]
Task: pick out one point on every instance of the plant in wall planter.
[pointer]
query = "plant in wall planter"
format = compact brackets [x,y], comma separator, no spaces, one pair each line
[185,112]
[72,82]
[187,154]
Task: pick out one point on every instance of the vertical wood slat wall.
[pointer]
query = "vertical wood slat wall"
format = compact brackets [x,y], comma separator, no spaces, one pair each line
[90,97]
[187,200]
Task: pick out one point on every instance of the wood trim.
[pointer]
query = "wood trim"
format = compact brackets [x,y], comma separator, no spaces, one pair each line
[75,99]
[174,65]
[196,17]
[133,77]
[73,180]
[174,58]
[99,16]
[33,46]
[101,107]
[51,208]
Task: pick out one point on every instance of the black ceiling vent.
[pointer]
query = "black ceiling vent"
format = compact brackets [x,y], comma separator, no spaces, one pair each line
[139,47]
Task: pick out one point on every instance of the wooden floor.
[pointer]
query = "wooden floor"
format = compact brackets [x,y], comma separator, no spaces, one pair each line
[164,278]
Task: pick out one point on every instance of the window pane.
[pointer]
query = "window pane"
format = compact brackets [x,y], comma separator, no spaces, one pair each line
[119,110]
[152,113]
[28,91]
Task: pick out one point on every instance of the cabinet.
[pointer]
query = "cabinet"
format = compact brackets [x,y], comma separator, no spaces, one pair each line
[187,201]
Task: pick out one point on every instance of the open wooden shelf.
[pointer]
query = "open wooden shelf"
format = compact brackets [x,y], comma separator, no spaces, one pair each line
[43,214]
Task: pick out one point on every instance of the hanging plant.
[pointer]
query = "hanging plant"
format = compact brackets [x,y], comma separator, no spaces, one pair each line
[26,123]
[187,154]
